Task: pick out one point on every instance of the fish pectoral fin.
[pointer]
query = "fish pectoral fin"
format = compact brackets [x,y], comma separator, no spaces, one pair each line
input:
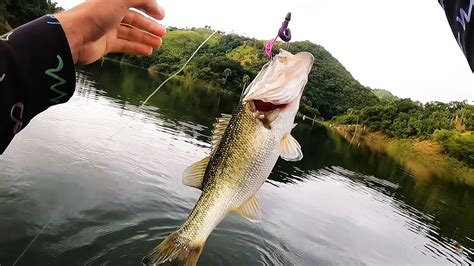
[250,210]
[194,174]
[290,149]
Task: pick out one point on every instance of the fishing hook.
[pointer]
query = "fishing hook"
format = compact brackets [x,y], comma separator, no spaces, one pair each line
[284,33]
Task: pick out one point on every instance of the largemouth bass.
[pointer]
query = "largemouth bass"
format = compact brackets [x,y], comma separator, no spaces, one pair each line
[245,148]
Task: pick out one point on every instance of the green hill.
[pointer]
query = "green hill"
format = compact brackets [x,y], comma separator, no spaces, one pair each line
[227,58]
[384,95]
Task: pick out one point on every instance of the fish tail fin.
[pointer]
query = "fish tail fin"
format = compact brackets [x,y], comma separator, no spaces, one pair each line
[176,249]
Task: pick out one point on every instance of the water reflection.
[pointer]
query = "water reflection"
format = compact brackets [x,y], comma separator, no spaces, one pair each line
[108,175]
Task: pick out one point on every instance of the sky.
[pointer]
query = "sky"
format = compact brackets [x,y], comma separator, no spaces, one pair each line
[403,46]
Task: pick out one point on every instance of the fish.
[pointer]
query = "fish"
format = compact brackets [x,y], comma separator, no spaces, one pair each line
[245,147]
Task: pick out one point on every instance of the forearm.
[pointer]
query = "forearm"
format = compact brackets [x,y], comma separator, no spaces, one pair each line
[460,14]
[36,72]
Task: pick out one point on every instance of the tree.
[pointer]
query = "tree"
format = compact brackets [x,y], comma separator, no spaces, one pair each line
[227,73]
[20,12]
[3,9]
[245,81]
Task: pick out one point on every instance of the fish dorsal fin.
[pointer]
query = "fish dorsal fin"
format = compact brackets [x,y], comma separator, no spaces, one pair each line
[250,210]
[290,149]
[219,128]
[194,174]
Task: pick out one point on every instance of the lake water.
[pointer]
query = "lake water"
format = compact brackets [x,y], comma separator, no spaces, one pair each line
[97,181]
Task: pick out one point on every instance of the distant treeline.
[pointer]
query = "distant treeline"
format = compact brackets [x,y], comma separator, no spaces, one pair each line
[450,124]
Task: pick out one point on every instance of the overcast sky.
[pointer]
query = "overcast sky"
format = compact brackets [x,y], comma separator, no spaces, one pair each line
[403,46]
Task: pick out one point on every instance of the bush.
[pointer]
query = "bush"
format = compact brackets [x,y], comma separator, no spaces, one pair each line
[442,136]
[309,111]
[407,119]
[346,119]
[460,146]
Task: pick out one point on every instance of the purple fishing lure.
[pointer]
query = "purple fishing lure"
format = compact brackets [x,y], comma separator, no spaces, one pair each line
[284,33]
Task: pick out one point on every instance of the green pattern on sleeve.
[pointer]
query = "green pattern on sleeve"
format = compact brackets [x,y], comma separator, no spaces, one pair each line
[52,73]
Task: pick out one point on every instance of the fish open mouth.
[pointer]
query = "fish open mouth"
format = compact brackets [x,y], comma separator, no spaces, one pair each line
[266,106]
[266,112]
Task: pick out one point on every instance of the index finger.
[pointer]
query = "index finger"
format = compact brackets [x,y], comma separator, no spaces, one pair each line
[150,7]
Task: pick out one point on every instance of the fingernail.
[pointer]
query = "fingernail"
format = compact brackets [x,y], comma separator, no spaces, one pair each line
[162,11]
[160,43]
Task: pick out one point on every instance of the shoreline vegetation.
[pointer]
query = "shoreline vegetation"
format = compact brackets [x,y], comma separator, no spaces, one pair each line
[424,158]
[153,72]
[440,133]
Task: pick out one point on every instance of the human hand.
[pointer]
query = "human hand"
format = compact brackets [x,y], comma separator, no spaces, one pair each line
[98,27]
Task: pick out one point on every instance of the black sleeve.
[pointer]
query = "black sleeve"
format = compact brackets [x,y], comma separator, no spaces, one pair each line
[36,72]
[460,14]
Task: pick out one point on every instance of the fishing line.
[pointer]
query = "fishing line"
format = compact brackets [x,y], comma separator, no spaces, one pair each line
[163,83]
[143,104]
[179,71]
[32,241]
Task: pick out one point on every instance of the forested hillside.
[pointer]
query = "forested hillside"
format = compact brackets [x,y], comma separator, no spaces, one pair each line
[230,61]
[384,95]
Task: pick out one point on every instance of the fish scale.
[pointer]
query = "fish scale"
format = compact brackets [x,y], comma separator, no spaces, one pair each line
[229,180]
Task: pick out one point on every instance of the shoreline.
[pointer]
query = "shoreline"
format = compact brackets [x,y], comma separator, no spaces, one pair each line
[184,79]
[423,158]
